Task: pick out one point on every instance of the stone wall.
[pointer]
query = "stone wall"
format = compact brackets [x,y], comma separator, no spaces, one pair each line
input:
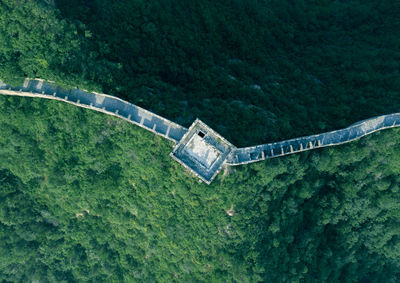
[351,133]
[100,102]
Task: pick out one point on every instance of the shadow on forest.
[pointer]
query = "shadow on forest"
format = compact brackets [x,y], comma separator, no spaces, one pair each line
[254,71]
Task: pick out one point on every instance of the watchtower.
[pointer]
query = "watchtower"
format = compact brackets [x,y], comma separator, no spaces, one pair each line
[202,150]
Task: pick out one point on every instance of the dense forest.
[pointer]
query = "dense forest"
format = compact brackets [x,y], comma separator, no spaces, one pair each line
[89,197]
[254,70]
[85,197]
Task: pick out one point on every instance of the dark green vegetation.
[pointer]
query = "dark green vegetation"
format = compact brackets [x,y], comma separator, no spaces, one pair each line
[320,65]
[86,197]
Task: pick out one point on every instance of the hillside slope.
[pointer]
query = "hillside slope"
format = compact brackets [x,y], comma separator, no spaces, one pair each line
[88,197]
[255,71]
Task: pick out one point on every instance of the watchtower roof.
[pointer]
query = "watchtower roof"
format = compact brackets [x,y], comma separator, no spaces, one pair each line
[202,150]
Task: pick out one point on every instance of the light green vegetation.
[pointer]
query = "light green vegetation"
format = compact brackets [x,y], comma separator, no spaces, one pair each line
[88,197]
[256,71]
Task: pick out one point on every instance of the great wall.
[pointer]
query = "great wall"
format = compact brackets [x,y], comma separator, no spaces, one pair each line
[200,149]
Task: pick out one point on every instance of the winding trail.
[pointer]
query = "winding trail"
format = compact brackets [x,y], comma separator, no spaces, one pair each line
[134,114]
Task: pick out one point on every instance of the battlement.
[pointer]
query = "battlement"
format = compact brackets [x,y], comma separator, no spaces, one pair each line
[199,148]
[202,151]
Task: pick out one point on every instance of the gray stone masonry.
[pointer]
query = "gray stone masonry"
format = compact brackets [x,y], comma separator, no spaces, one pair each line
[100,102]
[200,149]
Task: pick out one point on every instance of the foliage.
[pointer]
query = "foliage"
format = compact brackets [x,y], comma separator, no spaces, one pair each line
[88,197]
[255,71]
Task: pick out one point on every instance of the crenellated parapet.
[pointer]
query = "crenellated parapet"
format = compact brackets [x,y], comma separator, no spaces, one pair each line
[108,104]
[200,149]
[351,133]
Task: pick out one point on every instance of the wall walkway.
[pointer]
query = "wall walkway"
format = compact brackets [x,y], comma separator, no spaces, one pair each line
[100,102]
[117,107]
[360,129]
